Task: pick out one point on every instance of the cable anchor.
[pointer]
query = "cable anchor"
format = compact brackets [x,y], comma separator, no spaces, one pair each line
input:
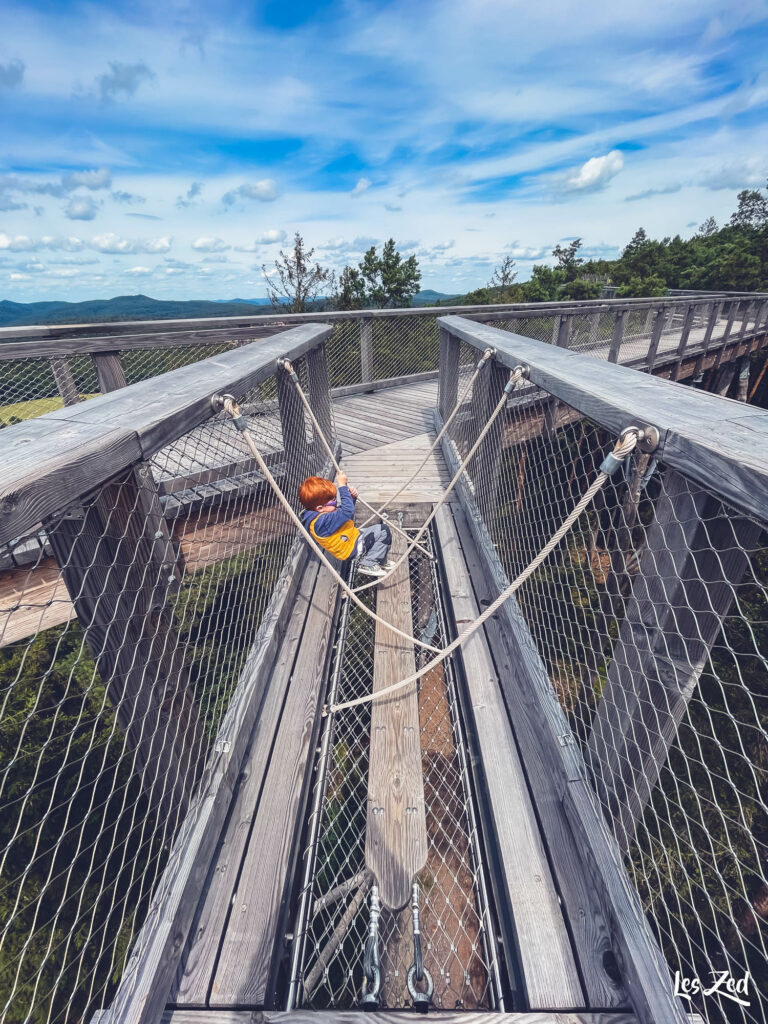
[371,987]
[417,972]
[287,365]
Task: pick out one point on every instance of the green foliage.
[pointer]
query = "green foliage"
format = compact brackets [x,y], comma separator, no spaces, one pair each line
[298,282]
[382,281]
[568,259]
[579,289]
[642,287]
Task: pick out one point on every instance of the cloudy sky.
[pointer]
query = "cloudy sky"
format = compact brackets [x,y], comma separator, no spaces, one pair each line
[172,148]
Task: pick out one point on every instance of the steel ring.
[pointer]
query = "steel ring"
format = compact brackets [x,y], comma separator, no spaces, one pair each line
[414,993]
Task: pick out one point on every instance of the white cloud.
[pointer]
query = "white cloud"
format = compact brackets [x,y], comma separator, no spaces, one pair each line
[92,180]
[271,236]
[596,173]
[138,271]
[265,191]
[192,193]
[112,243]
[362,186]
[162,244]
[210,245]
[20,243]
[129,198]
[19,277]
[749,173]
[81,208]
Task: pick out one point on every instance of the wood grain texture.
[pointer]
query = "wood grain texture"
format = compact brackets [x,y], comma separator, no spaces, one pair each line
[189,1016]
[65,382]
[250,944]
[110,371]
[396,830]
[589,930]
[549,970]
[198,965]
[151,967]
[704,436]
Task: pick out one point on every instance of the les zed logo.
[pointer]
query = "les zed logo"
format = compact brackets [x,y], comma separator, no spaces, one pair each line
[723,985]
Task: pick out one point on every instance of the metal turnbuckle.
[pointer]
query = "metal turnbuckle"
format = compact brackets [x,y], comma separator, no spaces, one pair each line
[371,987]
[417,972]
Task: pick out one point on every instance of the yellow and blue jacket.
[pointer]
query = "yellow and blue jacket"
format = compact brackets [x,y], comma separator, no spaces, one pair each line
[335,531]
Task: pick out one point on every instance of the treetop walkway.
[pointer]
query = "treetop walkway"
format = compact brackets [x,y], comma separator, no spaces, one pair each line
[551,825]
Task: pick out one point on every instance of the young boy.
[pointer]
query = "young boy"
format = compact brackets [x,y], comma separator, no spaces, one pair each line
[331,522]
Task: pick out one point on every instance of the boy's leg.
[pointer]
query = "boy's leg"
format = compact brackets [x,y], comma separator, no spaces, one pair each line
[376,541]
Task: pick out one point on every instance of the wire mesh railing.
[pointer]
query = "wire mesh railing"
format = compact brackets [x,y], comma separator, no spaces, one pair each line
[650,621]
[127,615]
[367,348]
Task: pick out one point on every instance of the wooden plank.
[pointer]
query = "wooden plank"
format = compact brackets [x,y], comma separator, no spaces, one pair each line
[693,557]
[198,965]
[32,598]
[619,326]
[149,972]
[549,970]
[250,947]
[110,371]
[588,927]
[396,830]
[366,350]
[319,395]
[190,1016]
[704,436]
[449,373]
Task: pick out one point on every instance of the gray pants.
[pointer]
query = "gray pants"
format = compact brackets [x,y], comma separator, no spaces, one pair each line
[373,545]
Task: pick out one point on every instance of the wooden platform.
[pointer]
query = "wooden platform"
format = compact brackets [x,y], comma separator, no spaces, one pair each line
[396,834]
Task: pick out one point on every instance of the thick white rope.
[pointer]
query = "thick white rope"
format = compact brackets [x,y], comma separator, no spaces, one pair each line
[232,408]
[624,446]
[515,376]
[288,368]
[459,402]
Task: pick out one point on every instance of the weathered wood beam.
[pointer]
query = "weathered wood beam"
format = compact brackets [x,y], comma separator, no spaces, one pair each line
[65,382]
[696,553]
[109,370]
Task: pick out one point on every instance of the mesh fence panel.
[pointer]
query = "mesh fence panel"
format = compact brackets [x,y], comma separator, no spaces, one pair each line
[456,926]
[143,363]
[125,621]
[651,620]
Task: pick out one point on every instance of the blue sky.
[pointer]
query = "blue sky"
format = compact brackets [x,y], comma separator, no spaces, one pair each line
[171,149]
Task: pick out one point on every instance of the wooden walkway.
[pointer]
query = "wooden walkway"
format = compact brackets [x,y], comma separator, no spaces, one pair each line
[396,832]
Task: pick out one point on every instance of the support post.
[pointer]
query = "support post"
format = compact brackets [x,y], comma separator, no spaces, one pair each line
[743,386]
[109,370]
[119,583]
[366,349]
[65,382]
[714,316]
[292,420]
[693,557]
[727,334]
[658,327]
[320,394]
[684,334]
[485,472]
[564,331]
[619,326]
[449,373]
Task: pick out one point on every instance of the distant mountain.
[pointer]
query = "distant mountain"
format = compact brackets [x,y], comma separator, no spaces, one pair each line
[123,307]
[142,307]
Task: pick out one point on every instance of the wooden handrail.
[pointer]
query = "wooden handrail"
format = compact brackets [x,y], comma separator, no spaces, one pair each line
[721,444]
[52,460]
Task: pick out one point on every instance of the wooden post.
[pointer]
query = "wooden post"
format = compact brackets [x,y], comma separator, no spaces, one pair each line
[556,329]
[449,373]
[684,334]
[320,396]
[594,329]
[366,349]
[714,316]
[564,331]
[110,371]
[619,327]
[743,387]
[485,471]
[728,328]
[119,581]
[653,347]
[292,420]
[64,380]
[693,557]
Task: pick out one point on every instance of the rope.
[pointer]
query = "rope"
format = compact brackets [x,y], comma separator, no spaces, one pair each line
[233,410]
[459,402]
[288,367]
[515,376]
[624,446]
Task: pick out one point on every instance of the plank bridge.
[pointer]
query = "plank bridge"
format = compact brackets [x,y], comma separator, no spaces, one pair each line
[554,824]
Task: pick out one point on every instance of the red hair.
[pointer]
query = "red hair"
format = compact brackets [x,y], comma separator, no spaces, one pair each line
[315,491]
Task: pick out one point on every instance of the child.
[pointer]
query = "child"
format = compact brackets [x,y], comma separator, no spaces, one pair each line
[332,523]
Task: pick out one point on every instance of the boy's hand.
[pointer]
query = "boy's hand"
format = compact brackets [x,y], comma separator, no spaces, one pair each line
[353,492]
[341,478]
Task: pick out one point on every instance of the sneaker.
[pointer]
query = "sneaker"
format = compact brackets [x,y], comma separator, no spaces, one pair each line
[377,571]
[389,566]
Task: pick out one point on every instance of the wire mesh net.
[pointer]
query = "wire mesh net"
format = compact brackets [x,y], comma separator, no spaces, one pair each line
[651,621]
[125,622]
[457,930]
